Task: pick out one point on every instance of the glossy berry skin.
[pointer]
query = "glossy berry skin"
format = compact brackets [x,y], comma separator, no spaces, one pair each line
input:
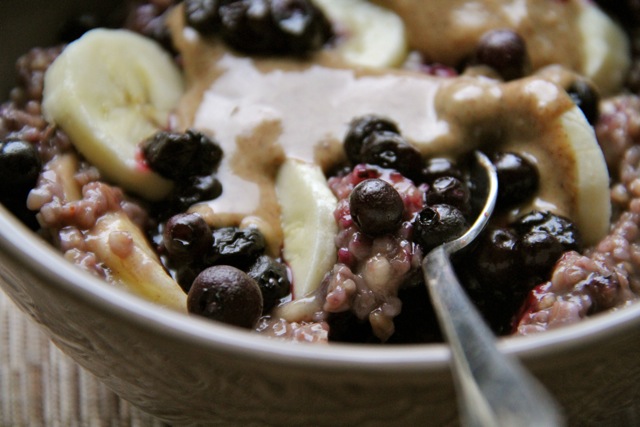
[504,51]
[497,264]
[360,128]
[237,247]
[187,235]
[271,276]
[304,26]
[557,226]
[193,190]
[438,167]
[518,178]
[273,26]
[226,294]
[438,224]
[539,251]
[544,237]
[178,156]
[20,167]
[587,98]
[202,15]
[391,151]
[376,207]
[450,191]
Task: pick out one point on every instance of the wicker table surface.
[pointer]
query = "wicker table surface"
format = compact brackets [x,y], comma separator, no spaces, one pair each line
[41,386]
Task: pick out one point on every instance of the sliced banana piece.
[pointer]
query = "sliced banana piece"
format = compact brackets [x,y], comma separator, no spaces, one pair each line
[122,247]
[117,242]
[593,203]
[308,224]
[606,54]
[573,169]
[372,35]
[110,90]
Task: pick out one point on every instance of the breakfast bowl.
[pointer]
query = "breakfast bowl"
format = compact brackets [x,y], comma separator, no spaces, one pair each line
[188,370]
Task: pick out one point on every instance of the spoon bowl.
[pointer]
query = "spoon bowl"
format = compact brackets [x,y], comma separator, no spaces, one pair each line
[493,389]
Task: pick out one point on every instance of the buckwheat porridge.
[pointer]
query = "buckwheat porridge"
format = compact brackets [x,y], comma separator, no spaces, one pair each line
[284,165]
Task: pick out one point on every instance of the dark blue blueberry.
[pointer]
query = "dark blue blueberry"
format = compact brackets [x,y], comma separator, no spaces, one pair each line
[504,51]
[376,207]
[237,247]
[437,224]
[438,167]
[518,178]
[294,27]
[226,294]
[20,167]
[194,190]
[187,235]
[390,150]
[202,15]
[450,191]
[273,280]
[360,128]
[178,156]
[585,96]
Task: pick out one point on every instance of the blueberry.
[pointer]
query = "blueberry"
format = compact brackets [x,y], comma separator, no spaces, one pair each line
[376,207]
[517,178]
[271,276]
[360,128]
[304,26]
[186,273]
[389,150]
[273,26]
[437,224]
[450,191]
[177,156]
[194,190]
[587,98]
[202,15]
[496,261]
[504,51]
[544,237]
[226,294]
[20,167]
[187,235]
[237,247]
[557,226]
[539,251]
[437,167]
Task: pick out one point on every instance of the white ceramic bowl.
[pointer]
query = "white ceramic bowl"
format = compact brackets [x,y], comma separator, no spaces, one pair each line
[190,371]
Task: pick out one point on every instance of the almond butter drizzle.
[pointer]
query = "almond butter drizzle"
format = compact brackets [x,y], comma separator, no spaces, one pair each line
[262,110]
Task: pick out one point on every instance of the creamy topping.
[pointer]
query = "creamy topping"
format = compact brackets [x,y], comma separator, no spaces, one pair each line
[263,110]
[447,31]
[307,111]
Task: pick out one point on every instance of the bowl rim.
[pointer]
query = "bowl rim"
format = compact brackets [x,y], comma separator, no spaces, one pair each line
[30,251]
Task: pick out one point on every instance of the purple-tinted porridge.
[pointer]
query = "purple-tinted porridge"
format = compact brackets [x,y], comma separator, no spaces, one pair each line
[374,291]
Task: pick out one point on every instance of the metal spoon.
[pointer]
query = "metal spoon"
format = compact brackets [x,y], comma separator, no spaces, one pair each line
[493,388]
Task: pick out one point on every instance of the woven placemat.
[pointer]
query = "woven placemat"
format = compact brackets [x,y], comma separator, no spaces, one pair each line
[41,386]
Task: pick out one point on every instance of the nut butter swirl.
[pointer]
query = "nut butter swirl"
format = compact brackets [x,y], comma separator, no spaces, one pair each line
[263,110]
[447,31]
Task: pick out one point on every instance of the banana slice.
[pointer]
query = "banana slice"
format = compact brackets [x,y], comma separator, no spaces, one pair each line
[308,224]
[121,246]
[373,36]
[572,167]
[593,203]
[110,90]
[116,241]
[606,56]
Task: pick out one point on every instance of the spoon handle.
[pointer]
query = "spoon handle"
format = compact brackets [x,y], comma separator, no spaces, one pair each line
[493,388]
